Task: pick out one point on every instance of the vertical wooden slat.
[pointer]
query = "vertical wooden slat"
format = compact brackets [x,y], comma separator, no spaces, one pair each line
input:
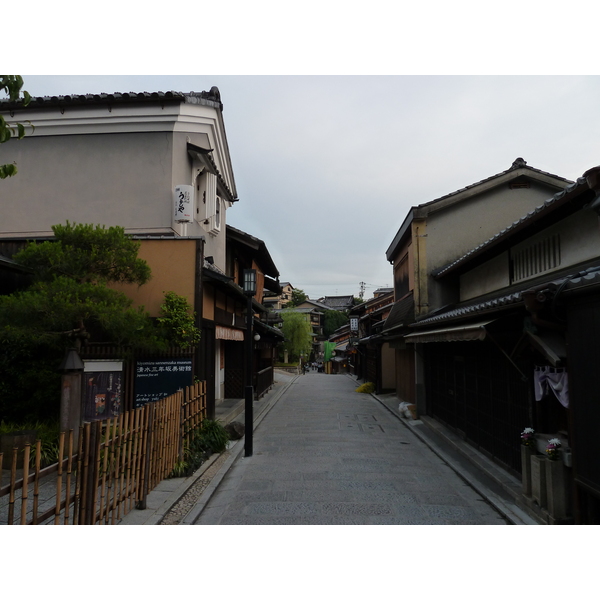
[84,489]
[78,479]
[36,481]
[147,451]
[25,488]
[111,498]
[108,455]
[117,464]
[61,448]
[69,475]
[13,479]
[104,469]
[134,459]
[128,486]
[123,466]
[96,471]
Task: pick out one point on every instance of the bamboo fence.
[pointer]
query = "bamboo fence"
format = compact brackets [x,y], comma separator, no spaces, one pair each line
[117,463]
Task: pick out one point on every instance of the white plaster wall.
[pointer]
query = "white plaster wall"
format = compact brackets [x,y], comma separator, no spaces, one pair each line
[110,179]
[492,275]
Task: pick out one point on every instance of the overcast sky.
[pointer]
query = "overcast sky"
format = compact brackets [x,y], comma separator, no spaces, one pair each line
[329,157]
[327,167]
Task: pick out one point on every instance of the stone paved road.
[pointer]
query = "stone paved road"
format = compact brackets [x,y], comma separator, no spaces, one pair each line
[327,455]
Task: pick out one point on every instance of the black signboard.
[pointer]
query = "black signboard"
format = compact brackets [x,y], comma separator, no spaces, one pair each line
[155,379]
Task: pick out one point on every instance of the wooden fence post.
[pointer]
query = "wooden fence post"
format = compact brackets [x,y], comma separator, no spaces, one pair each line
[141,505]
[91,482]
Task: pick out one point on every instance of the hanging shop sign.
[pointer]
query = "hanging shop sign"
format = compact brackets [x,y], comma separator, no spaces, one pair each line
[227,333]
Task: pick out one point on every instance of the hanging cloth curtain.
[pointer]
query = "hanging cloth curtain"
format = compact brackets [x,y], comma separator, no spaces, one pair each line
[550,379]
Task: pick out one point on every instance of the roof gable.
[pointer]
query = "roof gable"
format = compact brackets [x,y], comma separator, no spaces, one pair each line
[519,171]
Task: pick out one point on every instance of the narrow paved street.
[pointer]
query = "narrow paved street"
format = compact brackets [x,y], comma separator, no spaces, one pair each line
[325,454]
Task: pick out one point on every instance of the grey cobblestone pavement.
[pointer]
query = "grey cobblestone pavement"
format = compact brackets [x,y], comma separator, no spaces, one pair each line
[325,454]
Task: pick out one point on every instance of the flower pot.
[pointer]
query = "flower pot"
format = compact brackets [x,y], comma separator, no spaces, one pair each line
[526,453]
[538,479]
[556,489]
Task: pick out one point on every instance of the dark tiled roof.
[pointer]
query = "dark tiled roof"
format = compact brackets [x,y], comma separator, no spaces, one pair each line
[401,315]
[337,302]
[530,216]
[572,282]
[475,308]
[263,258]
[212,98]
[518,163]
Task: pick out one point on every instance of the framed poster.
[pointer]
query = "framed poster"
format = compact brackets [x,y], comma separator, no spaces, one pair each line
[102,380]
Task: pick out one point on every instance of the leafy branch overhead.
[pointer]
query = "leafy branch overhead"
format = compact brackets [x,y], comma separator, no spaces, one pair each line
[178,320]
[70,293]
[86,254]
[12,85]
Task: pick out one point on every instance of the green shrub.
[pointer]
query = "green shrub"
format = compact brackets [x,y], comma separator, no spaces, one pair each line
[46,431]
[366,388]
[209,439]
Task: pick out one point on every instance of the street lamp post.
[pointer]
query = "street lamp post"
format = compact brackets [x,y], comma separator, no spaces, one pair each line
[250,291]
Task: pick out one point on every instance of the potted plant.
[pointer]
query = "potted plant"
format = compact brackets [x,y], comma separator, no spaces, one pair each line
[527,450]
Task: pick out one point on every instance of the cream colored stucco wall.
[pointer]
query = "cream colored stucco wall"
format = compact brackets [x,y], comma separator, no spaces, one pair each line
[492,275]
[173,265]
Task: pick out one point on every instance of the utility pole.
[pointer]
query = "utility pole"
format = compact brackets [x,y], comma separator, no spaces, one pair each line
[362,290]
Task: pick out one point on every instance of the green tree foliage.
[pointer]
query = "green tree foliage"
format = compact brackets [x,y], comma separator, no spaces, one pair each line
[86,254]
[69,301]
[12,85]
[298,297]
[70,294]
[178,320]
[333,320]
[297,333]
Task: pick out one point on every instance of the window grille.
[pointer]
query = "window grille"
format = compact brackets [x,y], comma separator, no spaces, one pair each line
[537,258]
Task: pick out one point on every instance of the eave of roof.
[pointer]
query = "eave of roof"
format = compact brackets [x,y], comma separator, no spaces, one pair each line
[573,282]
[211,98]
[10,264]
[206,157]
[401,314]
[266,262]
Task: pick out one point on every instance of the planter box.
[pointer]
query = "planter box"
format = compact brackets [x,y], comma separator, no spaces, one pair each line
[538,479]
[17,439]
[556,489]
[526,453]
